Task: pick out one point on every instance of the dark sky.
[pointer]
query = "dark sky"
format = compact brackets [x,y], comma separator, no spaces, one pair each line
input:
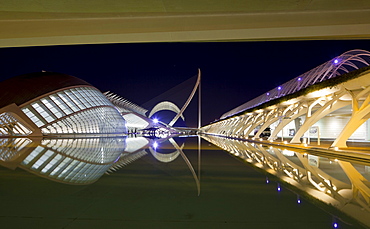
[232,72]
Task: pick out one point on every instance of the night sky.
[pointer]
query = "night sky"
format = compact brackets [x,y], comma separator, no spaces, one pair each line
[232,72]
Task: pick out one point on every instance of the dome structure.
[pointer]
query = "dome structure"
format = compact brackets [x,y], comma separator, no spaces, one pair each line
[53,104]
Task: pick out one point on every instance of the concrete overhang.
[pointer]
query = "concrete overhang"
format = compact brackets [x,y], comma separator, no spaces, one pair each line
[43,22]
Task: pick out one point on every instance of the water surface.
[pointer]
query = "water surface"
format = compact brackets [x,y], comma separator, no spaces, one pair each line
[163,187]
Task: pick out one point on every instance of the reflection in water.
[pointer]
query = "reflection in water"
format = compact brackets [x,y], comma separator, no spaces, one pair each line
[74,161]
[138,147]
[82,160]
[342,184]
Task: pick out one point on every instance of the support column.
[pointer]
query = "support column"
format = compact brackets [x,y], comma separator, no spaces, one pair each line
[357,119]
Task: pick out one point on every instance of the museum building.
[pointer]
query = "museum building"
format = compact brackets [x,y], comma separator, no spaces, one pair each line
[54,104]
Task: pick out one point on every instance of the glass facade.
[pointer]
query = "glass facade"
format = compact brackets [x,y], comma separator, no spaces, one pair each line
[96,150]
[10,126]
[82,110]
[10,147]
[78,161]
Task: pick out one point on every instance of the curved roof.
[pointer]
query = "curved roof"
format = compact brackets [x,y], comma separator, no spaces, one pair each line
[20,89]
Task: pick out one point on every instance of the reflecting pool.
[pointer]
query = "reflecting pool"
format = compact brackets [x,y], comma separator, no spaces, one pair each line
[137,182]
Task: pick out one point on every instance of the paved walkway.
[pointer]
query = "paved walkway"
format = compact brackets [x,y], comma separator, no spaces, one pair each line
[356,150]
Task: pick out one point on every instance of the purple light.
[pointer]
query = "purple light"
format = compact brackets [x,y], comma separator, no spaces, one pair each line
[299,79]
[267,180]
[155,145]
[155,120]
[336,61]
[268,93]
[279,88]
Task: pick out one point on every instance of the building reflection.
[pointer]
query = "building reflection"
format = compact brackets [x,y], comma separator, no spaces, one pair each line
[342,184]
[72,161]
[337,184]
[82,160]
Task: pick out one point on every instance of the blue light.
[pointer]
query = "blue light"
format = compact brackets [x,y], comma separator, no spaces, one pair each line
[299,79]
[298,201]
[336,61]
[279,88]
[155,120]
[267,180]
[335,225]
[267,93]
[155,145]
[278,188]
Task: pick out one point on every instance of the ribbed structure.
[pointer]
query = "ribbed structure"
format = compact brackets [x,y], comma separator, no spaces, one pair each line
[123,104]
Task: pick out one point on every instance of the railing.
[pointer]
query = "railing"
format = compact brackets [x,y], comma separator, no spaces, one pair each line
[347,62]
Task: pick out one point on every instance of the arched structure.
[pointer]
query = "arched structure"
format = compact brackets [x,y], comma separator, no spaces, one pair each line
[165,105]
[134,115]
[47,103]
[340,86]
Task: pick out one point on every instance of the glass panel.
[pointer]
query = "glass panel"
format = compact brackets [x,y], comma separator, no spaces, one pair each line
[42,159]
[53,107]
[68,101]
[61,166]
[51,163]
[30,114]
[32,155]
[43,111]
[79,93]
[75,100]
[60,103]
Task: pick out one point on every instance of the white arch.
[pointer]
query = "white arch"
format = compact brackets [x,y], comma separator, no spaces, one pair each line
[165,105]
[359,116]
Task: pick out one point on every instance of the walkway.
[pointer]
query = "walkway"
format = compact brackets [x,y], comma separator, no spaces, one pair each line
[357,150]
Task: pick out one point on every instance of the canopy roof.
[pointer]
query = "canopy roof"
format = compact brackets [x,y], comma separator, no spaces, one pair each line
[45,22]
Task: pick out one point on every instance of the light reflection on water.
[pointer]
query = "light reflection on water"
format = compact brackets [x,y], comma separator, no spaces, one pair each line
[341,184]
[167,186]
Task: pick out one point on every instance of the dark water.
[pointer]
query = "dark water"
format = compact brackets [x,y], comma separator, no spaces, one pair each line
[148,193]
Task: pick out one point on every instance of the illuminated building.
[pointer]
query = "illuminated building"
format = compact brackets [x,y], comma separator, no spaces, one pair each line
[54,104]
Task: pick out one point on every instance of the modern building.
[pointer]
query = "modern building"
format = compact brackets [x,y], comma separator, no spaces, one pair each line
[54,104]
[134,115]
[330,101]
